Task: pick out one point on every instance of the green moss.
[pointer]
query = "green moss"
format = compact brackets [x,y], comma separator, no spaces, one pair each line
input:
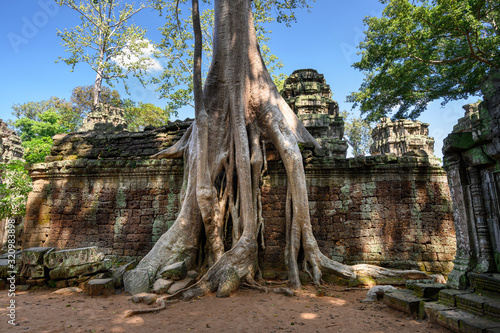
[362,281]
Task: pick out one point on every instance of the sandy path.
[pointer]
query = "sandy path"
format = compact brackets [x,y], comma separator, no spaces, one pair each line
[246,311]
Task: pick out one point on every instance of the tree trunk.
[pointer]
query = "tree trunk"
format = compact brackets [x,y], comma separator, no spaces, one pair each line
[97,90]
[240,110]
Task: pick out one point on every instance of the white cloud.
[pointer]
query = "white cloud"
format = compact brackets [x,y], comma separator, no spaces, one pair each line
[128,57]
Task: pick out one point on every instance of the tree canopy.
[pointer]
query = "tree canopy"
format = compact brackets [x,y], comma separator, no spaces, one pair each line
[420,51]
[175,83]
[106,41]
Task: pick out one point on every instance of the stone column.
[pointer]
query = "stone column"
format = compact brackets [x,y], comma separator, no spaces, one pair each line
[484,256]
[459,190]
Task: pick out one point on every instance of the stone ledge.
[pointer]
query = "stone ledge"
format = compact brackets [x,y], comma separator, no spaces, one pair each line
[403,300]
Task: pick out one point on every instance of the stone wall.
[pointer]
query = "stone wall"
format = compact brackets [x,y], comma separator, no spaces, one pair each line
[387,210]
[99,188]
[472,159]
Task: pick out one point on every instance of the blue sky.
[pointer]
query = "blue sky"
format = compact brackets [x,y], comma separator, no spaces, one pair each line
[324,39]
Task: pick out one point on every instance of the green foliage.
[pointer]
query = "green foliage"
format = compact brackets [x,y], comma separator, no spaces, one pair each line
[48,125]
[14,189]
[176,82]
[357,133]
[32,110]
[36,149]
[106,42]
[420,51]
[141,115]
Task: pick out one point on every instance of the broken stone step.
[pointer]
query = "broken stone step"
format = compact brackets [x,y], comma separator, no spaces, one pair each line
[460,321]
[428,290]
[432,309]
[485,282]
[100,287]
[472,303]
[448,296]
[403,300]
[73,257]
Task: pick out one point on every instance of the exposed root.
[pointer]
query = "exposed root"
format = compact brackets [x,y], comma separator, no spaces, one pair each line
[161,305]
[283,290]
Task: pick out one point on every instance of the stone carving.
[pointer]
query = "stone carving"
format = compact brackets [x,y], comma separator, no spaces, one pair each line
[403,137]
[472,159]
[310,98]
[104,118]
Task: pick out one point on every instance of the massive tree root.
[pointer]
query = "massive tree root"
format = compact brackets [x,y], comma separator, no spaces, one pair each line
[238,112]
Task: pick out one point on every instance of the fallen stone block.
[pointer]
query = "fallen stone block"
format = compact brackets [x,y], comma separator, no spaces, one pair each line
[118,272]
[403,300]
[192,274]
[73,257]
[66,272]
[36,282]
[147,298]
[4,268]
[17,255]
[161,286]
[176,271]
[61,284]
[33,271]
[179,285]
[34,255]
[100,287]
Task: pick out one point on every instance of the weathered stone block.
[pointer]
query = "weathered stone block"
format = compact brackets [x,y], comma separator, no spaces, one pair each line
[403,300]
[65,272]
[161,286]
[33,271]
[73,257]
[180,285]
[147,298]
[4,268]
[100,287]
[432,310]
[34,255]
[428,290]
[176,271]
[451,319]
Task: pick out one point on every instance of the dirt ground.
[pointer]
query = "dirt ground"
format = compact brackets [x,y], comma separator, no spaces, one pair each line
[335,309]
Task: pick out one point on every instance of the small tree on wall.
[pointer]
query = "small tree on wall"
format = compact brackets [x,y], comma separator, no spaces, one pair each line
[106,42]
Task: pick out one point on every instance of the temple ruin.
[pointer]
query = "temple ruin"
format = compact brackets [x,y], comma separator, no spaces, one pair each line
[101,189]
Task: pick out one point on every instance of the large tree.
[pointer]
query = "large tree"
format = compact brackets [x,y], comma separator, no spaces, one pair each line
[237,112]
[175,83]
[420,51]
[106,41]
